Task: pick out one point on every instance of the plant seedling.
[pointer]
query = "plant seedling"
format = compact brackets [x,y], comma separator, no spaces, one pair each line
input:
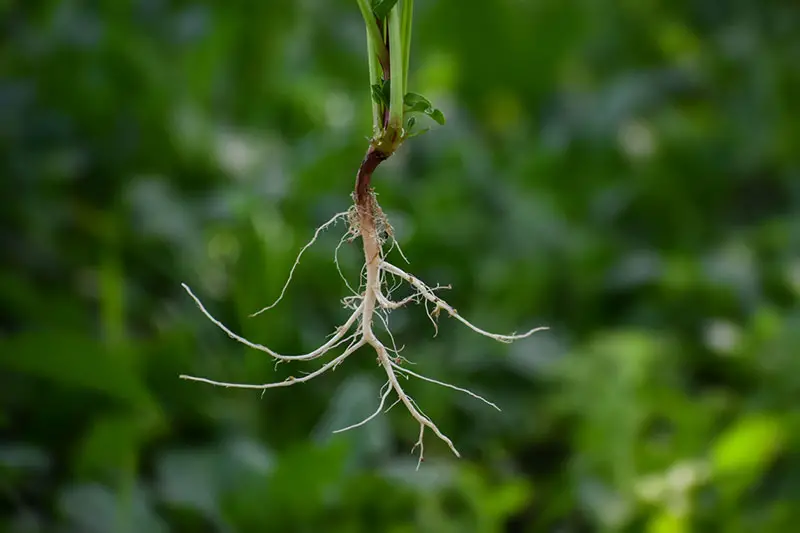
[394,114]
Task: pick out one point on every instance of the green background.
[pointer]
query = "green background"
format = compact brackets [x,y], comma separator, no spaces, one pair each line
[626,173]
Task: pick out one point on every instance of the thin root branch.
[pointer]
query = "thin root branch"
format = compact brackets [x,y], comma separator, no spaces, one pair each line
[427,293]
[396,244]
[288,382]
[421,445]
[390,407]
[319,230]
[384,395]
[347,237]
[431,317]
[386,303]
[423,420]
[385,322]
[322,350]
[443,384]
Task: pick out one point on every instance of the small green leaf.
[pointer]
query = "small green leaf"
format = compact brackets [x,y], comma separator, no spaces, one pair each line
[416,103]
[414,100]
[419,108]
[436,115]
[377,94]
[381,8]
[416,133]
[387,90]
[381,92]
[410,123]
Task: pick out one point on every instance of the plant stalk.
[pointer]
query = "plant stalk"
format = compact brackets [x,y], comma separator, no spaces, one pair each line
[396,66]
[373,32]
[374,78]
[405,28]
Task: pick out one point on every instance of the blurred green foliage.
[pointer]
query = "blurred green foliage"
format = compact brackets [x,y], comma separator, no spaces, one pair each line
[624,172]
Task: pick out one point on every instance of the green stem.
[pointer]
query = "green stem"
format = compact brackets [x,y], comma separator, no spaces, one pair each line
[396,60]
[373,33]
[374,78]
[408,11]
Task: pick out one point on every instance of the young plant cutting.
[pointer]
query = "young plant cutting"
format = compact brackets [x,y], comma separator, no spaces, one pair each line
[395,113]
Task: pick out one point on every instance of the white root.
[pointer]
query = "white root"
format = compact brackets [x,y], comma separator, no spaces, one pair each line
[366,306]
[319,352]
[319,230]
[384,395]
[423,420]
[443,384]
[386,303]
[427,293]
[385,322]
[339,267]
[288,381]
